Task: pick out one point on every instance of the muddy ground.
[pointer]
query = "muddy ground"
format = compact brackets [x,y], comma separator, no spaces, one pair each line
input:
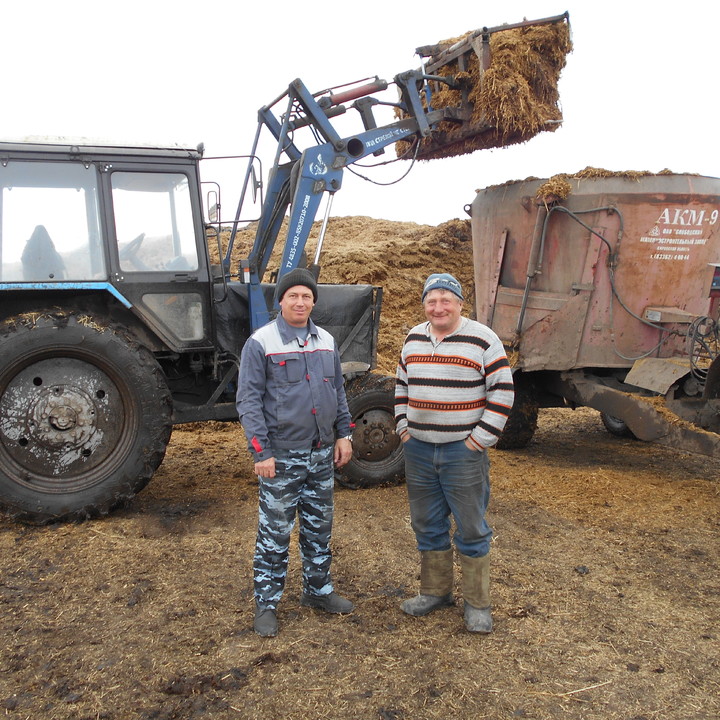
[605,594]
[604,583]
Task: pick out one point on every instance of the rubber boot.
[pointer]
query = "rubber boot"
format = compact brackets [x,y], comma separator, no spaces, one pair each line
[476,593]
[436,580]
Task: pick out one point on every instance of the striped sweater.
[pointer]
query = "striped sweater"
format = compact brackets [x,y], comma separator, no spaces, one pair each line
[458,388]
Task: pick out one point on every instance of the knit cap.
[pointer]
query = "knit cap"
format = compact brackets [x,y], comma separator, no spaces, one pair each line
[298,276]
[442,281]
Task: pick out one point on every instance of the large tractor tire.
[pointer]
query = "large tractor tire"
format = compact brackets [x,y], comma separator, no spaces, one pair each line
[85,416]
[522,422]
[377,450]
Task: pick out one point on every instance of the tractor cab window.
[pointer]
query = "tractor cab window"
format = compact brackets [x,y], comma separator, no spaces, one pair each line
[153,222]
[49,223]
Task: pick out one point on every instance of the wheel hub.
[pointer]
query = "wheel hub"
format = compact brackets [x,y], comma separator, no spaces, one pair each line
[63,419]
[374,438]
[60,416]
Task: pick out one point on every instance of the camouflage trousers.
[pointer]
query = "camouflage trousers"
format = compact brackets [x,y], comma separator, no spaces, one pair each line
[302,486]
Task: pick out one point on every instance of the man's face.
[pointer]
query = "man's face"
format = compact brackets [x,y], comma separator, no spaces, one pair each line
[442,309]
[296,305]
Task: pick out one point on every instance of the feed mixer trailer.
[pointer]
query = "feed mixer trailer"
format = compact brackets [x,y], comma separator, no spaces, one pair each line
[605,288]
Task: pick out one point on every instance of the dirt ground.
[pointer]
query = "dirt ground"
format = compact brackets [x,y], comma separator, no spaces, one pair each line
[605,595]
[605,582]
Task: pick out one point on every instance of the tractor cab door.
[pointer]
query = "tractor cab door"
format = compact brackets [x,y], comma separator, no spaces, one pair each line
[157,250]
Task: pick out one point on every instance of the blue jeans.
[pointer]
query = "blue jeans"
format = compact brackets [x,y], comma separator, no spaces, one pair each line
[303,487]
[448,478]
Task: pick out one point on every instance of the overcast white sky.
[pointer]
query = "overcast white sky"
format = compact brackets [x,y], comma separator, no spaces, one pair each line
[639,92]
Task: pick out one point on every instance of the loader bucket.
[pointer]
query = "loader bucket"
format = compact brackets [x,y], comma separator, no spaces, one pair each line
[502,87]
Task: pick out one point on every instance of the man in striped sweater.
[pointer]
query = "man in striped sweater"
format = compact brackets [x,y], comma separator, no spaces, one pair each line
[453,395]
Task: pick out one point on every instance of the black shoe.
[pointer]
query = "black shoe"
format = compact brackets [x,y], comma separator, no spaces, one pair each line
[265,622]
[332,603]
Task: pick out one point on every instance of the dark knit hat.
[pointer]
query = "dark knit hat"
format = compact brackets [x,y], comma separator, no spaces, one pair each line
[298,276]
[442,281]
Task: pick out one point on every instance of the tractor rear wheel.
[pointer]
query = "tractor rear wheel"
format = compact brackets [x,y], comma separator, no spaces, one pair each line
[377,451]
[85,416]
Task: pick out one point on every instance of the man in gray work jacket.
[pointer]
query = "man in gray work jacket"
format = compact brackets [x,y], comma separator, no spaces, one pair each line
[292,406]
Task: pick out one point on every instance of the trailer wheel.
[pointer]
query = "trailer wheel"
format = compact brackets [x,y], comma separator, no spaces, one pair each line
[522,421]
[616,426]
[712,380]
[377,450]
[85,416]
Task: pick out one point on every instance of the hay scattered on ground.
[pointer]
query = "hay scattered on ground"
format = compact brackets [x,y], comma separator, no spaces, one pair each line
[604,587]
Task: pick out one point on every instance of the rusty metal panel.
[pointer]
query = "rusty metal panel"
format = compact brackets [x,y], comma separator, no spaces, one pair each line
[490,279]
[657,374]
[661,233]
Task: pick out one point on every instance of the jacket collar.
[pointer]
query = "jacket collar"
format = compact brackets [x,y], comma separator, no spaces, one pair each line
[287,332]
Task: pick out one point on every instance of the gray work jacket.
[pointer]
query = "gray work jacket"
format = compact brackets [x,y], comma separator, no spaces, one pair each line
[291,395]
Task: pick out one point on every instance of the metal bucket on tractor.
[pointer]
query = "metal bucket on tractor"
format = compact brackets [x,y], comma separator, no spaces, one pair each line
[496,86]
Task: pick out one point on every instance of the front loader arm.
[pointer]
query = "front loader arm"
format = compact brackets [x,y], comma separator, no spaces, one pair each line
[298,185]
[320,170]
